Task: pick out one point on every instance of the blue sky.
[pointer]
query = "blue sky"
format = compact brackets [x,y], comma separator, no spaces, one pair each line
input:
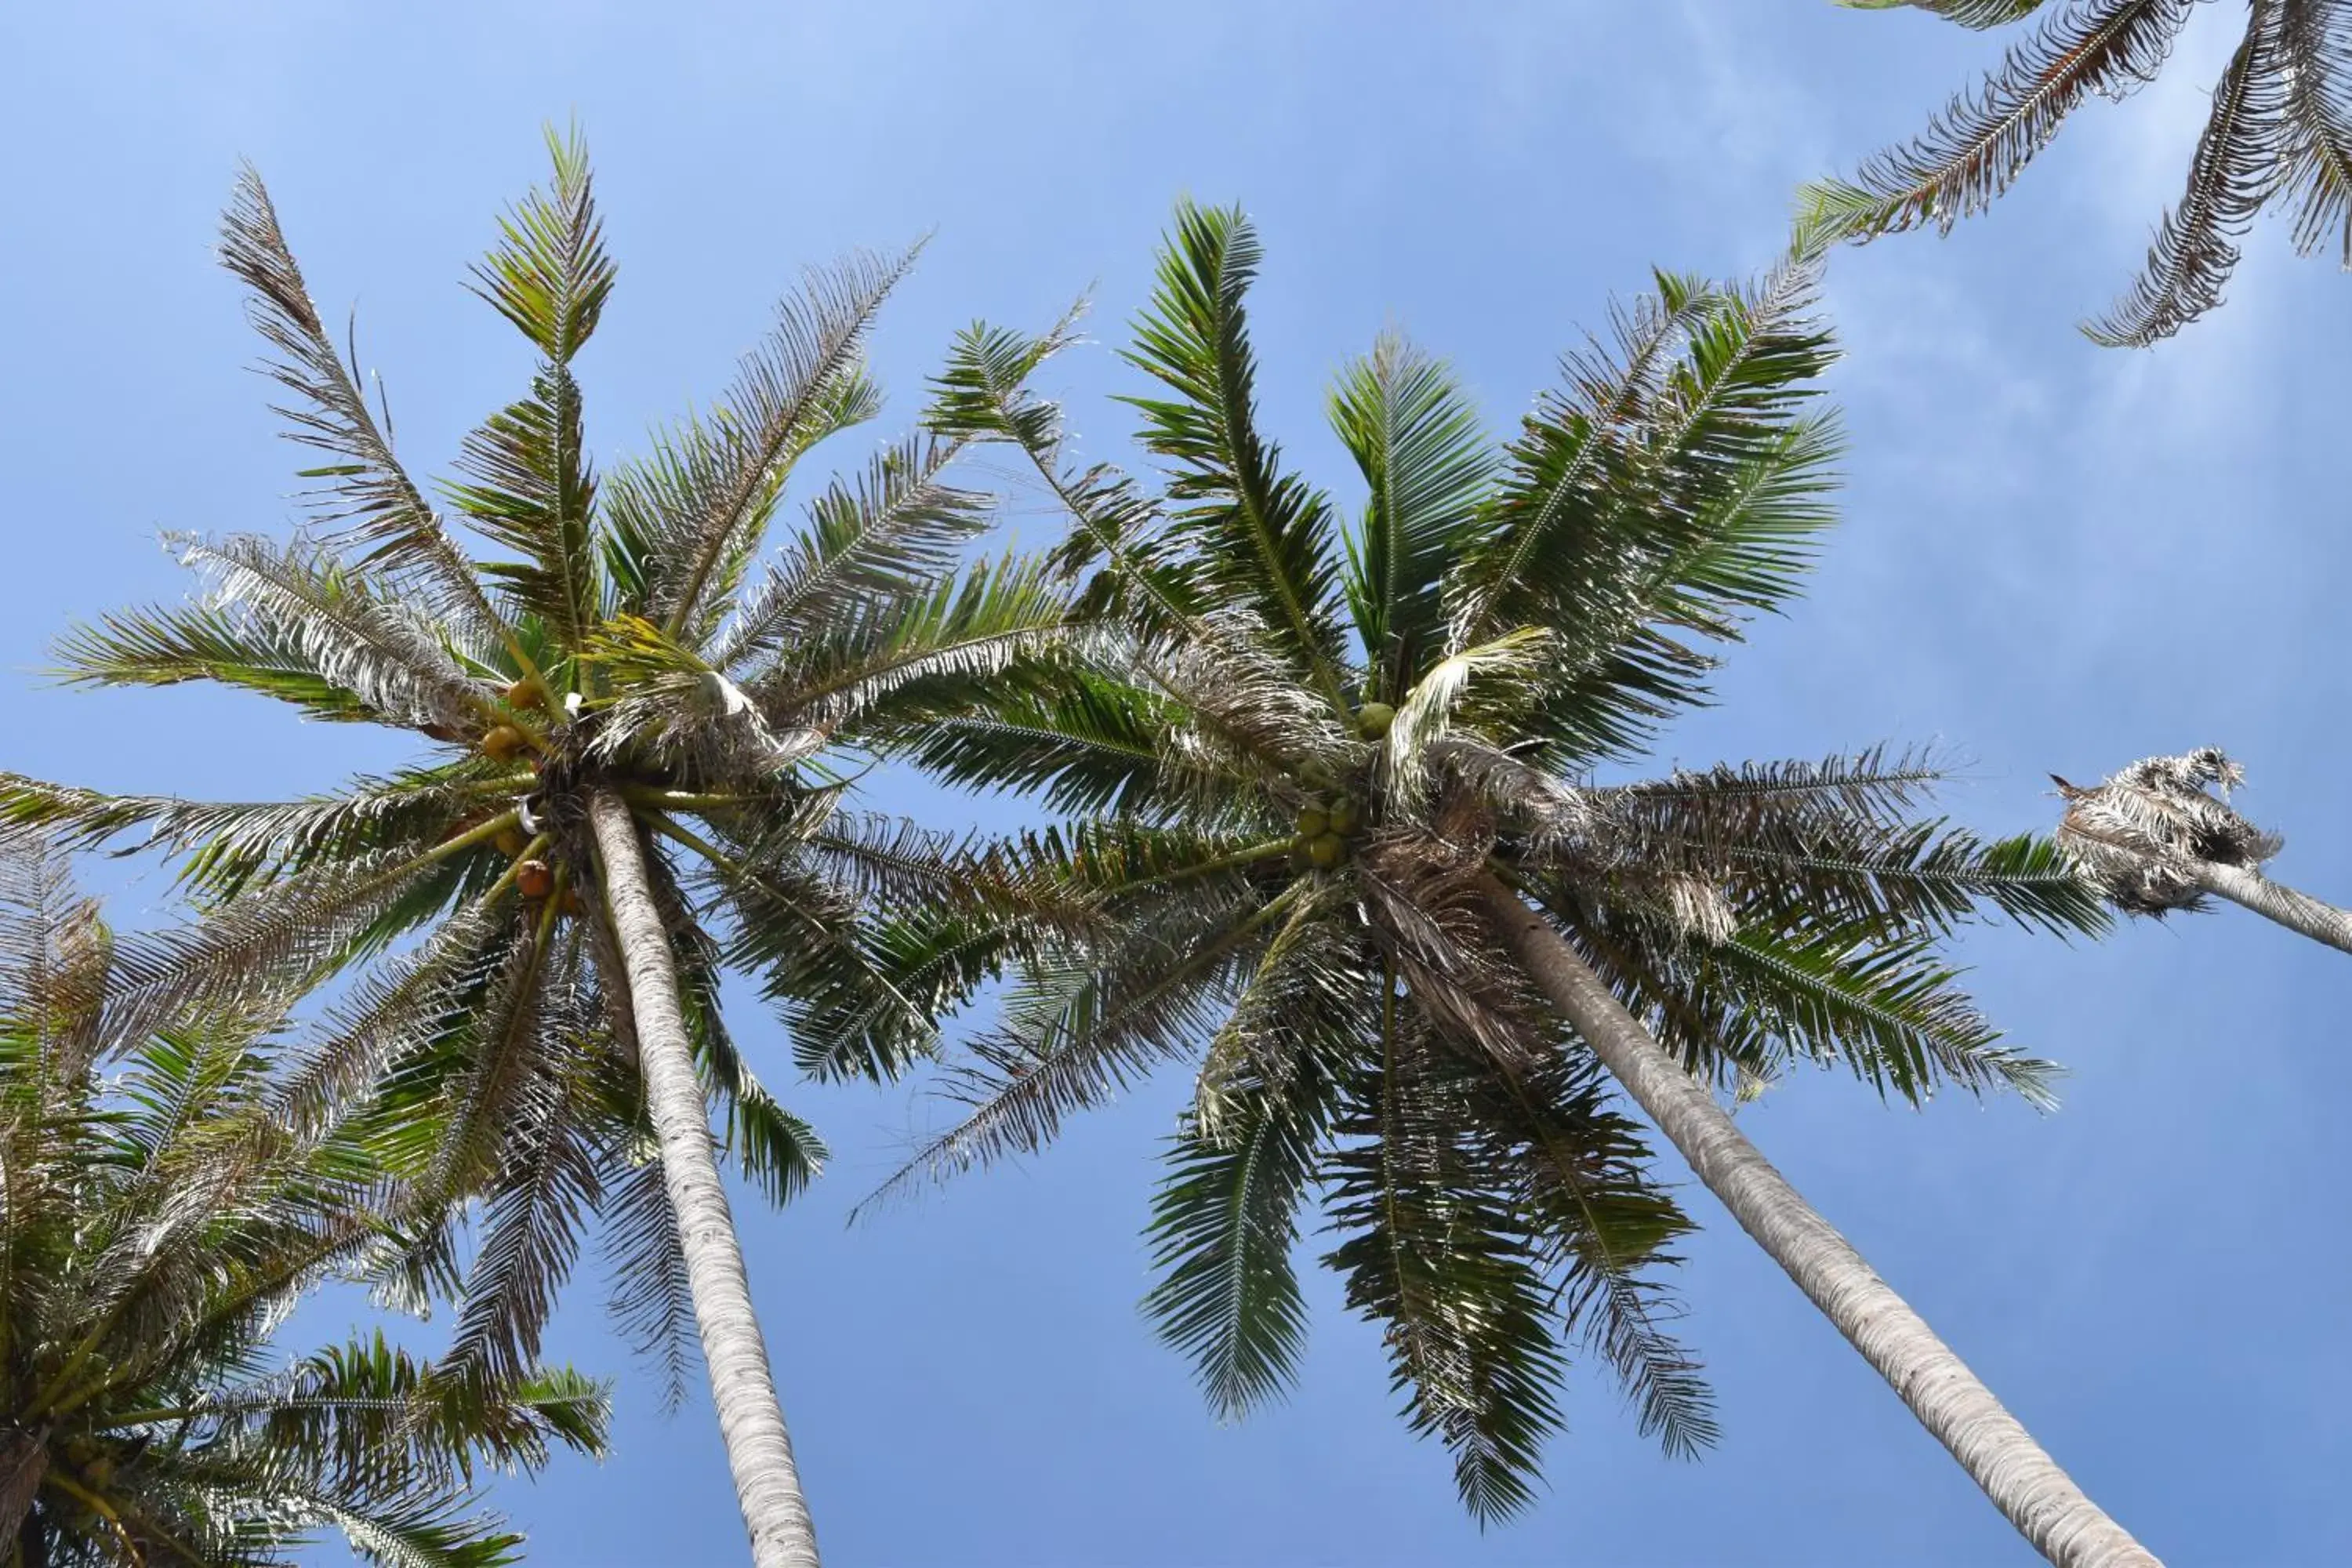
[2054,558]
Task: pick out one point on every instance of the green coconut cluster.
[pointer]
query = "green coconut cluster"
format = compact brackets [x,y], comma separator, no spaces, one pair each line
[1324,830]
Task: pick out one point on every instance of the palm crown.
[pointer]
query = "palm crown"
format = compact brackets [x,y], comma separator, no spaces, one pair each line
[1302,743]
[625,639]
[2280,129]
[158,1223]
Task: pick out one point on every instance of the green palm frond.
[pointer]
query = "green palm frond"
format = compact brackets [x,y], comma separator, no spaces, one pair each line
[1425,460]
[1673,488]
[1074,1033]
[1260,537]
[1885,1007]
[550,274]
[1925,875]
[291,623]
[1443,1264]
[535,1210]
[1093,745]
[984,394]
[887,537]
[1555,473]
[529,486]
[1223,1225]
[158,1225]
[1606,1228]
[271,943]
[902,661]
[173,645]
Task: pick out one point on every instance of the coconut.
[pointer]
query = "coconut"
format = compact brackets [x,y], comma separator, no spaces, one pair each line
[1313,820]
[503,741]
[526,693]
[536,879]
[1373,719]
[1327,850]
[1346,817]
[510,842]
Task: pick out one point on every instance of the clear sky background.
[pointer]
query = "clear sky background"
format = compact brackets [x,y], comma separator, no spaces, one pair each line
[2054,557]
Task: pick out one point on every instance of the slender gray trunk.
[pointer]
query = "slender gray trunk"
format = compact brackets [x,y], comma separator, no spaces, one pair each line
[759,1451]
[2277,902]
[2023,1482]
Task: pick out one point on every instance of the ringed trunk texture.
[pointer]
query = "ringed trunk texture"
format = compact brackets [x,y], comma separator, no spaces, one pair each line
[2276,900]
[759,1451]
[1995,1449]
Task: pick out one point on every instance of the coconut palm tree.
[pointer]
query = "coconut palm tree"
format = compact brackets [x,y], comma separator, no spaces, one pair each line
[1340,844]
[159,1216]
[2153,840]
[624,791]
[2280,131]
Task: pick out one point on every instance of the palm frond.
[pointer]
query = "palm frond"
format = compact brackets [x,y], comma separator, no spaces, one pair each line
[689,520]
[2242,159]
[984,394]
[529,488]
[1223,1225]
[1443,1264]
[1444,694]
[890,537]
[1977,13]
[1092,744]
[1924,876]
[2318,57]
[550,274]
[534,1212]
[1555,472]
[358,634]
[268,946]
[173,644]
[365,487]
[907,660]
[1078,1030]
[1416,439]
[651,1301]
[1259,537]
[1983,141]
[1583,1170]
[1674,488]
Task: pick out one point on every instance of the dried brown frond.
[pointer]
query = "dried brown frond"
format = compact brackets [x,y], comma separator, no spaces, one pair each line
[2142,834]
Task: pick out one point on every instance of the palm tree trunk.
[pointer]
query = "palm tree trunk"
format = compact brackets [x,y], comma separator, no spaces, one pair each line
[2277,902]
[2023,1482]
[759,1450]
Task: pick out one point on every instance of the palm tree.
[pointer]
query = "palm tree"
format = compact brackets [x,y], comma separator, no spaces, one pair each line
[2280,131]
[627,791]
[157,1222]
[2153,840]
[1339,844]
